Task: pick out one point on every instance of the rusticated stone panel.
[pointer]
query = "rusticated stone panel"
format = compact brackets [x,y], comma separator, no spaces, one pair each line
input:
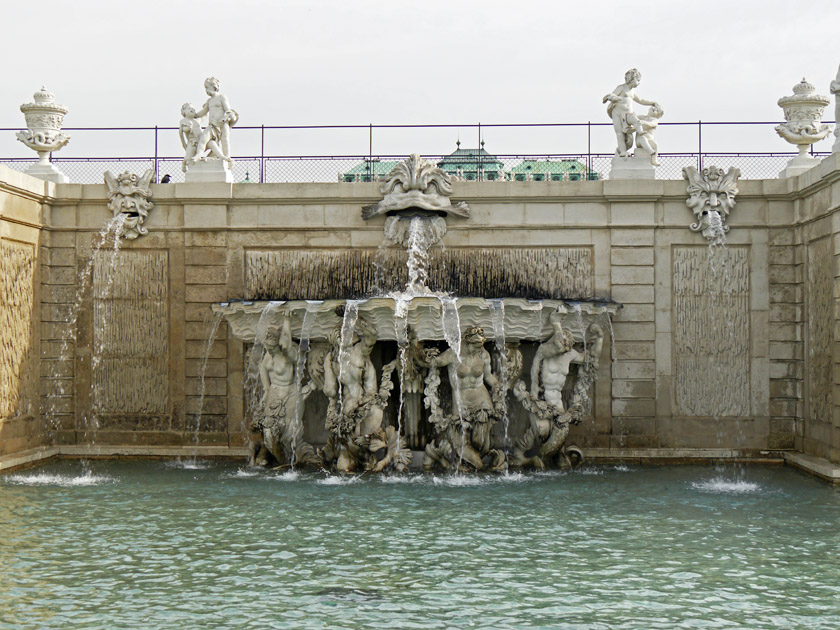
[17,264]
[130,357]
[711,328]
[549,273]
[820,320]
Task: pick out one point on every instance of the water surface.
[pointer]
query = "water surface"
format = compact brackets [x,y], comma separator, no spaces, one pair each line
[174,545]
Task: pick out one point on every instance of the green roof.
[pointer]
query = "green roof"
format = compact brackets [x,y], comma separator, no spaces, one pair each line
[470,159]
[549,166]
[375,166]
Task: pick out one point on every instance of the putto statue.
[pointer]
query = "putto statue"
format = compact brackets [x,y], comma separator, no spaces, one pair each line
[463,436]
[130,195]
[357,440]
[279,419]
[711,197]
[626,123]
[803,113]
[544,441]
[43,134]
[207,154]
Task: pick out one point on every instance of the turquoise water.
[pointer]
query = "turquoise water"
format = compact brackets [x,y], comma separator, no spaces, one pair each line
[162,545]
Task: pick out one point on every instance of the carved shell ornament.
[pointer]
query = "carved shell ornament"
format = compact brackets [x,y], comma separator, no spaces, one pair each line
[416,184]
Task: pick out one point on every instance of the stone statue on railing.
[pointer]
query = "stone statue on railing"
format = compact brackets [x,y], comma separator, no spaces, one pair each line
[632,129]
[835,89]
[803,127]
[463,436]
[207,154]
[43,134]
[280,415]
[357,401]
[544,441]
[131,196]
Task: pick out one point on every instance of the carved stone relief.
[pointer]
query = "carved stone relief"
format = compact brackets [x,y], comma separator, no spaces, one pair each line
[820,322]
[533,273]
[17,263]
[711,332]
[130,362]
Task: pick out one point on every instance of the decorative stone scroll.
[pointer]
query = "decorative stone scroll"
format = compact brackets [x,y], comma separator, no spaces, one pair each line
[131,196]
[130,358]
[711,197]
[17,265]
[711,332]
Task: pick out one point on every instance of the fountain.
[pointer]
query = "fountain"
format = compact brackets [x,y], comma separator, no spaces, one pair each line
[358,350]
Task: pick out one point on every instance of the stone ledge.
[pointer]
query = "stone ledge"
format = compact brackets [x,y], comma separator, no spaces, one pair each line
[815,465]
[680,455]
[27,458]
[152,451]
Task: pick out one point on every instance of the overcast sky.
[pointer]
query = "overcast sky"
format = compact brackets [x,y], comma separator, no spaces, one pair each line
[391,62]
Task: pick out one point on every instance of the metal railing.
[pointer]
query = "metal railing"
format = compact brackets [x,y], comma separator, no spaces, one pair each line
[593,141]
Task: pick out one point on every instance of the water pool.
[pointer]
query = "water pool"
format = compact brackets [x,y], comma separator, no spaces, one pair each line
[215,545]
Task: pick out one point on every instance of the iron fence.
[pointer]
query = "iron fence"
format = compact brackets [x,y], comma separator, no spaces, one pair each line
[591,160]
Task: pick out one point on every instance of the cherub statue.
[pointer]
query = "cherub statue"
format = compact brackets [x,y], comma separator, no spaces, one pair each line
[645,140]
[130,195]
[464,435]
[281,407]
[215,137]
[545,438]
[620,109]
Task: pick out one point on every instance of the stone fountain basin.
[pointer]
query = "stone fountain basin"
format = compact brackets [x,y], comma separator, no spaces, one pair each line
[524,320]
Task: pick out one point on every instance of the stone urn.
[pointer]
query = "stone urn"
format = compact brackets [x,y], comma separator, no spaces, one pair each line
[43,134]
[803,113]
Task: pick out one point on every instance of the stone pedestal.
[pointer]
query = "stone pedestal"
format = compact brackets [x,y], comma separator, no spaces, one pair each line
[205,171]
[636,167]
[48,172]
[798,165]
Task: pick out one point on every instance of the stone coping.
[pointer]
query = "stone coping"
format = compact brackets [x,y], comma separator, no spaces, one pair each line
[815,465]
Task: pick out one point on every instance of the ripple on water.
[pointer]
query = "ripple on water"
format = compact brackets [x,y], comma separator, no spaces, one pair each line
[337,480]
[719,485]
[65,481]
[188,464]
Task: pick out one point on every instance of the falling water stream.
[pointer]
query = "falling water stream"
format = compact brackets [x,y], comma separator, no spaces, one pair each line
[497,314]
[208,347]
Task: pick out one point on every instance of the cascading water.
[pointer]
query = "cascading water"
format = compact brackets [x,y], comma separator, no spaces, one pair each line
[110,232]
[300,368]
[497,314]
[451,321]
[348,326]
[208,346]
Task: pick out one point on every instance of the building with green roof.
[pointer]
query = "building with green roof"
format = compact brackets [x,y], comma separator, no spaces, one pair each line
[472,164]
[551,170]
[368,171]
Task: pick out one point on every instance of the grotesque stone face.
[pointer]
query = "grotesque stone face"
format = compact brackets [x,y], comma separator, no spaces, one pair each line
[711,197]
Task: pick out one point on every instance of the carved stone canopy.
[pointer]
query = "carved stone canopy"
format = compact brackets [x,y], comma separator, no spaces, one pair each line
[413,186]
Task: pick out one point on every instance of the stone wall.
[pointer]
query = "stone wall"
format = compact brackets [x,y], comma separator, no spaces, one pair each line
[22,250]
[717,349]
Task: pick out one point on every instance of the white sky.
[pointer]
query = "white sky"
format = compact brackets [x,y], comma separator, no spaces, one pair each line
[392,62]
